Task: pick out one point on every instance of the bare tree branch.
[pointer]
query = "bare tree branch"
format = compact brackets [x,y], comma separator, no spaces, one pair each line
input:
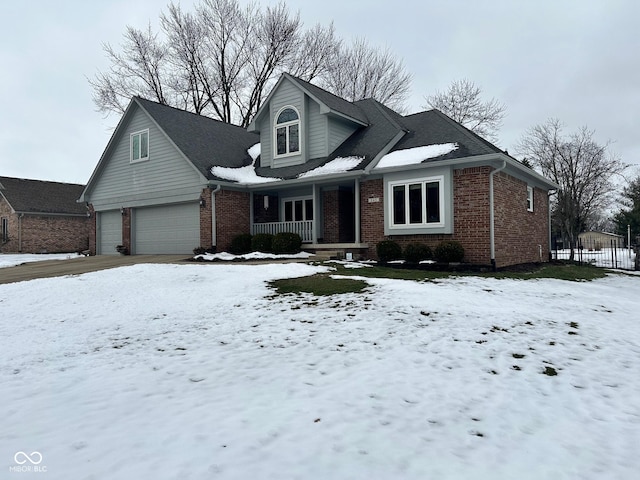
[462,102]
[221,60]
[581,167]
[361,71]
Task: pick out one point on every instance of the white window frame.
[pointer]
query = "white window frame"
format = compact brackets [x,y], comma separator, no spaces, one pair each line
[424,224]
[293,200]
[287,126]
[139,134]
[529,198]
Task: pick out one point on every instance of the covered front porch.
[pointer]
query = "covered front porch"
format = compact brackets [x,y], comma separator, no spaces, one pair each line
[327,216]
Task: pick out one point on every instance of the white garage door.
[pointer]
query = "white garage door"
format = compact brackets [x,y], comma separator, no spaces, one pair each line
[109,232]
[167,229]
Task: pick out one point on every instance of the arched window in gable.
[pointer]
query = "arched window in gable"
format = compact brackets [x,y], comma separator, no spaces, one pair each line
[287,132]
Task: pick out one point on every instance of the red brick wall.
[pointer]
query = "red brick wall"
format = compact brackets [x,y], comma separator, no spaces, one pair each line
[471,213]
[126,228]
[519,234]
[330,216]
[40,234]
[232,217]
[205,219]
[372,214]
[471,216]
[92,230]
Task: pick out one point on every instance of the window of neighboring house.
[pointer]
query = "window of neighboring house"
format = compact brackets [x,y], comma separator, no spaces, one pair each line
[417,203]
[287,132]
[140,146]
[298,209]
[4,229]
[529,199]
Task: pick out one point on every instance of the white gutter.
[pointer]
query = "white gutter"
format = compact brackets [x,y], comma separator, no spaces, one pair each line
[213,215]
[492,233]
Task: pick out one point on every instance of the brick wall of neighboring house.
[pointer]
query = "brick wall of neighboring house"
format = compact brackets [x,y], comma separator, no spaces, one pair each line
[205,219]
[46,234]
[232,217]
[11,245]
[520,236]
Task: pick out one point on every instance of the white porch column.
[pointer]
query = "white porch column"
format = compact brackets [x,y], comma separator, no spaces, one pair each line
[356,192]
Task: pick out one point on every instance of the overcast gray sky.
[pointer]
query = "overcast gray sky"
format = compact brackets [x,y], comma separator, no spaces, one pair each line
[577,60]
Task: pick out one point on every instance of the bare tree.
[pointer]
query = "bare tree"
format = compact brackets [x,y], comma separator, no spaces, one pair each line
[221,60]
[142,67]
[361,71]
[463,103]
[582,168]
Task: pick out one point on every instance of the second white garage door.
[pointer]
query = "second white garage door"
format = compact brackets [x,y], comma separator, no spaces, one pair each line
[169,229]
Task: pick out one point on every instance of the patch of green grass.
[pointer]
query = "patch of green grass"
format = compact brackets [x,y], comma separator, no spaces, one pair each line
[564,271]
[560,271]
[321,284]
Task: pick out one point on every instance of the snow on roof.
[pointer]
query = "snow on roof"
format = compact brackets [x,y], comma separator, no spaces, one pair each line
[411,156]
[244,175]
[337,165]
[254,151]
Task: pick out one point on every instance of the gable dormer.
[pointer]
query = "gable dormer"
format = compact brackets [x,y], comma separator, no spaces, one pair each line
[300,122]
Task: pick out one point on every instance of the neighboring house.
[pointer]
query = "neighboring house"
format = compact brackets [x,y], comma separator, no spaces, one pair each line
[600,240]
[344,175]
[42,217]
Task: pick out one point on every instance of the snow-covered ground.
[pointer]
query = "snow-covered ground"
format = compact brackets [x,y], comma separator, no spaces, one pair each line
[200,371]
[13,259]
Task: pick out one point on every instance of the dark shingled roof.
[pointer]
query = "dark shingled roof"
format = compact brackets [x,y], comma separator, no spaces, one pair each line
[204,141]
[332,101]
[38,196]
[207,142]
[434,127]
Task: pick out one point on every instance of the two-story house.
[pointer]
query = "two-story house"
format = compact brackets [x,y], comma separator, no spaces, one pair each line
[344,175]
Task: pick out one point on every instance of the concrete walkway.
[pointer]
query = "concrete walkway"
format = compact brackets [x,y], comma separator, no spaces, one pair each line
[76,266]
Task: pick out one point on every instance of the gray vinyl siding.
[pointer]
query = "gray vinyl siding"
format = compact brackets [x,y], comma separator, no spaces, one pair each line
[317,131]
[166,177]
[339,131]
[288,94]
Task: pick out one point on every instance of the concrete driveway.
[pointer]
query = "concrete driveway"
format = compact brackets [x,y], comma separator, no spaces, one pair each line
[76,266]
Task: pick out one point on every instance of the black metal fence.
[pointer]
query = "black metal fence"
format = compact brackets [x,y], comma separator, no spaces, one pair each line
[608,253]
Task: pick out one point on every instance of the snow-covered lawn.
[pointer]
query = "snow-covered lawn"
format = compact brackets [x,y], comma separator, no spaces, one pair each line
[200,371]
[13,259]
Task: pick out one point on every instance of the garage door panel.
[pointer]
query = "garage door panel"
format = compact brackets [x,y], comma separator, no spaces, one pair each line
[169,229]
[110,232]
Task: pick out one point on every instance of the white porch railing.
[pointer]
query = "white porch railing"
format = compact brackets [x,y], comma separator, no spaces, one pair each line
[303,228]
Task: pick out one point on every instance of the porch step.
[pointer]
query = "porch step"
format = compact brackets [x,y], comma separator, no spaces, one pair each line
[328,254]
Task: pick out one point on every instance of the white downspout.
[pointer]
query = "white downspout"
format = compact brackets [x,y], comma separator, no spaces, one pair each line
[492,233]
[213,215]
